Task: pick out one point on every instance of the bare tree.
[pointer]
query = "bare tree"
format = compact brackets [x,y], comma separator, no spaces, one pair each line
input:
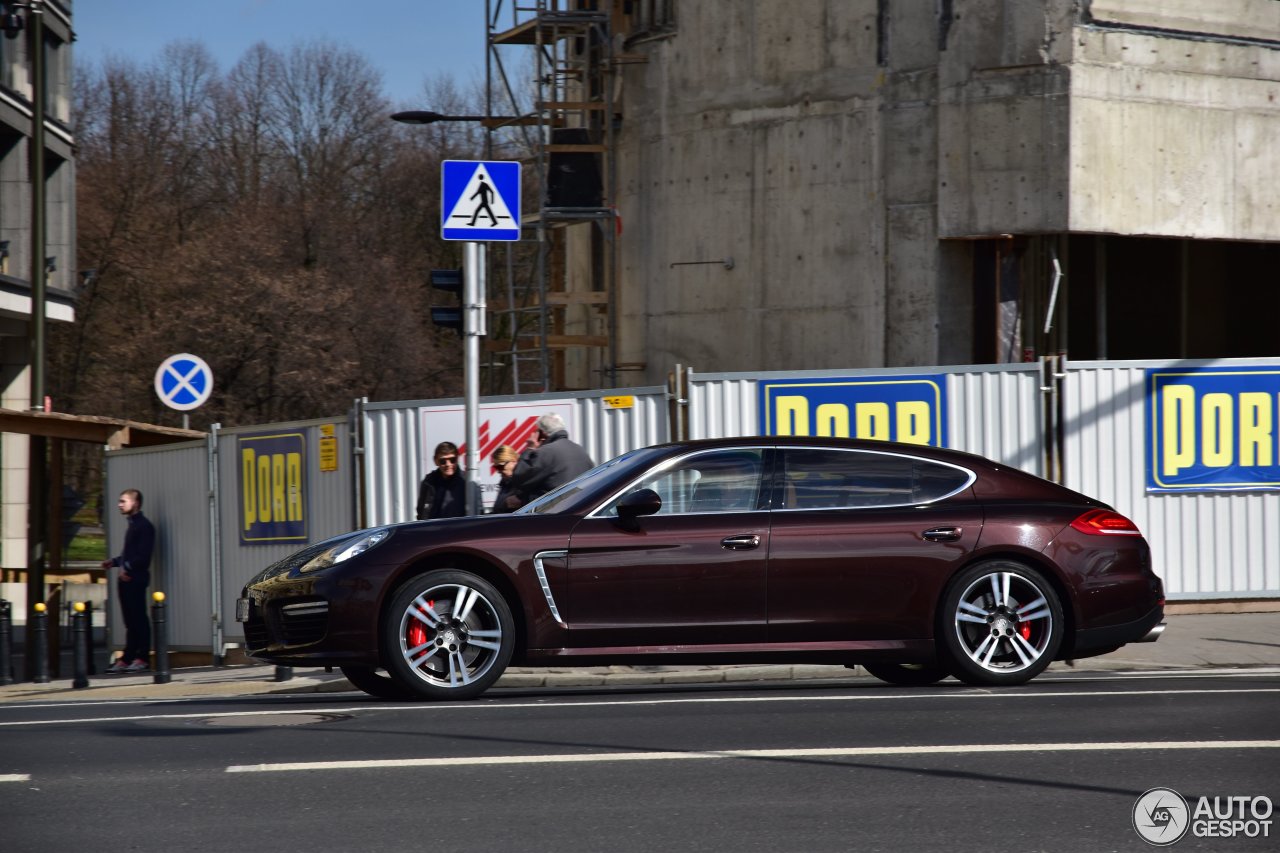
[271,219]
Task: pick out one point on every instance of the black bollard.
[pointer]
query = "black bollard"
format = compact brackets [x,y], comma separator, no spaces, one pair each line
[39,636]
[161,631]
[88,628]
[284,673]
[79,646]
[6,642]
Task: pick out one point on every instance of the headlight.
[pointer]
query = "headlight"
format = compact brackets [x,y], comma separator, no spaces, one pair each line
[345,550]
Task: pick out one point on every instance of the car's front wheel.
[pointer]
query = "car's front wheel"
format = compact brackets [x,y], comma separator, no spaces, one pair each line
[1002,624]
[448,635]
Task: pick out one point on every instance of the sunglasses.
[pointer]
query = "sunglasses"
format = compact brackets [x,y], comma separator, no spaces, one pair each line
[447,460]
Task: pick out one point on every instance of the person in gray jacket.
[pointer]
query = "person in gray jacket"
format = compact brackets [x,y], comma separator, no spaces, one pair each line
[550,461]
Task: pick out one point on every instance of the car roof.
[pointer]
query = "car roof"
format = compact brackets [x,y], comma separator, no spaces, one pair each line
[959,457]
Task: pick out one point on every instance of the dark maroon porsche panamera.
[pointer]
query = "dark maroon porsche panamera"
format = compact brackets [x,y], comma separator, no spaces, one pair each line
[914,562]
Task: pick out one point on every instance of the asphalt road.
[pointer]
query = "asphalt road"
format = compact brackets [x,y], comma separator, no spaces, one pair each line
[1055,765]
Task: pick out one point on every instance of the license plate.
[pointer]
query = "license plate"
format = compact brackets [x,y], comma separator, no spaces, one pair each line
[242,609]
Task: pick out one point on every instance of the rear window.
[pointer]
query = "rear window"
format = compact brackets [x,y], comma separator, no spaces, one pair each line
[815,478]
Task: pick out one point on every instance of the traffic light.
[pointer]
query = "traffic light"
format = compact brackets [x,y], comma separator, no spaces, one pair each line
[449,316]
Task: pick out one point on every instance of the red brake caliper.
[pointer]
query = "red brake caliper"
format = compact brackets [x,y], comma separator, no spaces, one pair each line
[1025,630]
[418,631]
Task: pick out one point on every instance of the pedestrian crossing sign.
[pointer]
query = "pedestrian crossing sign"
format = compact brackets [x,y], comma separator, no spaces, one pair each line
[480,200]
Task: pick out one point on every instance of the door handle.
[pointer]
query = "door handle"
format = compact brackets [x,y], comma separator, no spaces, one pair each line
[741,543]
[943,534]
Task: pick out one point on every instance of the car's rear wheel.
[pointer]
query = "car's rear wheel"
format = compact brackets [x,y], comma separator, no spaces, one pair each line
[374,683]
[1002,624]
[448,635]
[907,674]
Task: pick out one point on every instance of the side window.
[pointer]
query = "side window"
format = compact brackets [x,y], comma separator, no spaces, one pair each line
[849,479]
[715,481]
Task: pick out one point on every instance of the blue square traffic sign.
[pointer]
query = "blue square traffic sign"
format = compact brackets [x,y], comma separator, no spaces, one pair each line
[480,200]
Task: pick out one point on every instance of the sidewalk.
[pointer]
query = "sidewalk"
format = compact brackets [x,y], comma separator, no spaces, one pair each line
[1190,642]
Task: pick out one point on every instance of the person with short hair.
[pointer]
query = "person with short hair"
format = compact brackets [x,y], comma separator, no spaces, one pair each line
[443,493]
[551,459]
[134,564]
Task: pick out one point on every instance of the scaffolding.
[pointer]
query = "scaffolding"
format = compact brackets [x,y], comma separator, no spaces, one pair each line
[553,326]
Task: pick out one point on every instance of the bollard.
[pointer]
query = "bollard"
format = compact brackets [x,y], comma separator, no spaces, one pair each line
[39,634]
[79,646]
[160,629]
[88,628]
[284,673]
[6,642]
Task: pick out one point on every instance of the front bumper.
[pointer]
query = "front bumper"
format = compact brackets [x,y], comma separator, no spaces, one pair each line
[329,618]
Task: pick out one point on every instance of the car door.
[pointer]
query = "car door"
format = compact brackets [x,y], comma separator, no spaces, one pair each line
[862,543]
[691,574]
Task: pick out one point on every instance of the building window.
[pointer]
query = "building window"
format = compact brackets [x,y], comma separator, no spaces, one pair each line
[57,88]
[10,57]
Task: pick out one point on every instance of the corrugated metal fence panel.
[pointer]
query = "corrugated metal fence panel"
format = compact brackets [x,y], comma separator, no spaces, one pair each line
[724,405]
[392,445]
[608,432]
[992,410]
[1207,545]
[330,508]
[174,481]
[995,412]
[392,461]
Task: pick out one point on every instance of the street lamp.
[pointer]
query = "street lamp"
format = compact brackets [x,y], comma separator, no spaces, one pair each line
[37,491]
[489,122]
[473,290]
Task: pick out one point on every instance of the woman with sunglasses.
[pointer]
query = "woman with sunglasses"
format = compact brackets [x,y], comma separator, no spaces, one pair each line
[503,461]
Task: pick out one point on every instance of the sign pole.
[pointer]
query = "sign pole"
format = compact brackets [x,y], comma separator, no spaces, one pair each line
[473,284]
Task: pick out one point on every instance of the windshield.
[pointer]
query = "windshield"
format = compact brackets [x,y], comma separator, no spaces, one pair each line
[557,499]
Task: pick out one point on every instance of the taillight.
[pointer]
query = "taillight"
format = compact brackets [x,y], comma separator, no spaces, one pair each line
[1105,522]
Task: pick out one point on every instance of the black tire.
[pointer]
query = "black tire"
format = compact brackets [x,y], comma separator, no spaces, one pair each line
[369,680]
[448,635]
[907,674]
[1000,624]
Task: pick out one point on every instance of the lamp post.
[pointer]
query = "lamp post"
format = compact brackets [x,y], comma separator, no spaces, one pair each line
[473,308]
[37,490]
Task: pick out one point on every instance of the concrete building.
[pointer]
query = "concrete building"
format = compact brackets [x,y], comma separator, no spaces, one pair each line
[864,183]
[16,216]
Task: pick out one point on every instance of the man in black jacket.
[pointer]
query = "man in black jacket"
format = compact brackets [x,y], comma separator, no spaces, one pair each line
[551,459]
[443,493]
[134,563]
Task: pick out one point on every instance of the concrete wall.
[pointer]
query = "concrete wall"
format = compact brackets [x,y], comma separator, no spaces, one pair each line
[844,152]
[755,133]
[1176,137]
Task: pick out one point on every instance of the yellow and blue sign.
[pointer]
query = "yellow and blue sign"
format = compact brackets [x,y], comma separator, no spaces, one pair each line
[1213,429]
[273,488]
[911,409]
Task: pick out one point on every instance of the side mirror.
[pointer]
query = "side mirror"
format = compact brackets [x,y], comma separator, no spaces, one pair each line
[638,503]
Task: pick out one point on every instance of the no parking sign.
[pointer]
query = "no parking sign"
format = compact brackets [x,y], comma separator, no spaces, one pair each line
[184,382]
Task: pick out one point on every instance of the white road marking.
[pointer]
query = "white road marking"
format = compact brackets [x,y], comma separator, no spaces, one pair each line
[15,777]
[833,752]
[494,705]
[1052,677]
